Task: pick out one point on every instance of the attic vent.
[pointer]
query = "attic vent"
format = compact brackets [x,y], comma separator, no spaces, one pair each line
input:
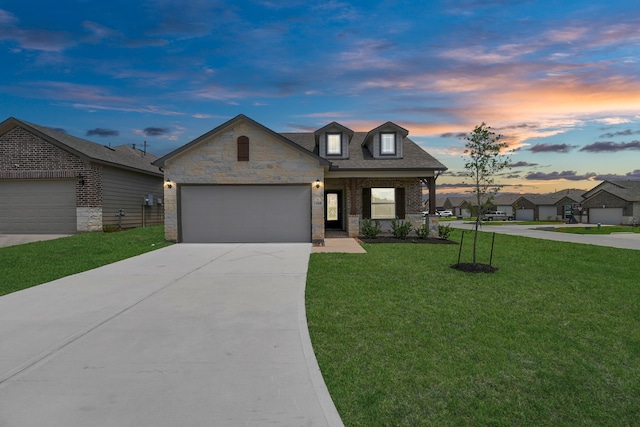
[243,149]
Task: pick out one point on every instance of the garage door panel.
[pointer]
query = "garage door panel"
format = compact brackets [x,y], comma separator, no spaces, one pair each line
[548,213]
[38,207]
[609,216]
[245,213]
[524,214]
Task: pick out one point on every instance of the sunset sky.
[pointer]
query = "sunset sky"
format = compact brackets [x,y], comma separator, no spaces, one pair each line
[560,80]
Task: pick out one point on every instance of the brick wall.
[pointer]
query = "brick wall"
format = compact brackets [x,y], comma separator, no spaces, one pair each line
[26,156]
[412,186]
[610,201]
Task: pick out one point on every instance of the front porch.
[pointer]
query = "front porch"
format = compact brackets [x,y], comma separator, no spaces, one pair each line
[348,200]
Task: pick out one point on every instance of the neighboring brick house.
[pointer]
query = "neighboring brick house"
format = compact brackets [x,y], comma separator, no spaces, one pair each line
[242,182]
[613,203]
[51,182]
[557,206]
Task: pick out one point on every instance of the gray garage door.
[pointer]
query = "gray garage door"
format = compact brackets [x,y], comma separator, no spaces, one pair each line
[524,215]
[245,213]
[38,207]
[610,216]
[548,213]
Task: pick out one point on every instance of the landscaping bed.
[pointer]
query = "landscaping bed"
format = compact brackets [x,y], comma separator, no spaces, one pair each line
[391,239]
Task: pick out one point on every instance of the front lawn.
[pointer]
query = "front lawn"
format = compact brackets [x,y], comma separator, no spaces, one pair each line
[551,339]
[31,264]
[593,229]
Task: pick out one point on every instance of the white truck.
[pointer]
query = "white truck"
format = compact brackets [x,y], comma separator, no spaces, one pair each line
[496,216]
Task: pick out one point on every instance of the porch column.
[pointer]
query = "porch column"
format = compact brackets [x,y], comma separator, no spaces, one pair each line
[431,183]
[353,221]
[432,220]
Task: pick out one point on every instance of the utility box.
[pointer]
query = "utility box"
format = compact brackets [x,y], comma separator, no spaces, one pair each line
[148,200]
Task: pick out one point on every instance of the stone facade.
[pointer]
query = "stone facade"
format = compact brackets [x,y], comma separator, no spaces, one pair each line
[271,161]
[89,218]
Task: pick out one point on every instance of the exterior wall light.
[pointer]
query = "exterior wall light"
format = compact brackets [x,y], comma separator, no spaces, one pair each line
[80,179]
[317,183]
[169,185]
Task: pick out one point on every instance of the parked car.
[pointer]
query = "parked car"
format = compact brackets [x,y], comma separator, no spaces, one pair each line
[445,213]
[497,216]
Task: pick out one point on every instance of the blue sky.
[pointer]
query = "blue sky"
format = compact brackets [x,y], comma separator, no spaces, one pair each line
[560,80]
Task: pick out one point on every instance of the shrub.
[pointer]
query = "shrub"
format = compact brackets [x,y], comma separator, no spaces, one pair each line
[110,228]
[423,231]
[444,231]
[400,229]
[370,229]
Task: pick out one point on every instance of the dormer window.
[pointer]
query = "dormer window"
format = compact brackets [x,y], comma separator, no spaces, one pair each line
[388,143]
[334,144]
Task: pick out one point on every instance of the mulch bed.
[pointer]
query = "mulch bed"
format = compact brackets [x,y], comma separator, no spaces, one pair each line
[469,267]
[391,239]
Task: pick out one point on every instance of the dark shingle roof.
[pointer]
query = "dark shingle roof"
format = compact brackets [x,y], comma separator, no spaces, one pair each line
[553,198]
[626,190]
[414,157]
[119,156]
[242,118]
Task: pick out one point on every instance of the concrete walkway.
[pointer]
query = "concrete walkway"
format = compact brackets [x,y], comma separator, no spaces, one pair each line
[542,231]
[19,239]
[188,335]
[346,245]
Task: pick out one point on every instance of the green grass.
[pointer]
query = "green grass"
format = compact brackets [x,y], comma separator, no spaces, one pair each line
[551,339]
[593,229]
[31,264]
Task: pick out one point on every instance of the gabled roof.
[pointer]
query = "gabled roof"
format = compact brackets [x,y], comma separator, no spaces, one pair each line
[120,156]
[458,200]
[334,125]
[239,118]
[505,199]
[553,198]
[626,190]
[387,125]
[360,158]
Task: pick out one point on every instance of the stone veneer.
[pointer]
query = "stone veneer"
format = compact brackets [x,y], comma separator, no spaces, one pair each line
[89,219]
[271,161]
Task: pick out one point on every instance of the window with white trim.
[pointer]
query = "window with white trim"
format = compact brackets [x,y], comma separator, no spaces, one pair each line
[383,203]
[334,144]
[387,143]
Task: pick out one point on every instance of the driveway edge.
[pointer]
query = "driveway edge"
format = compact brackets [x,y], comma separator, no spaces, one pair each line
[320,387]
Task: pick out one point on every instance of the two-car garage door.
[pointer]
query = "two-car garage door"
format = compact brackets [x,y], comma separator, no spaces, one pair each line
[245,213]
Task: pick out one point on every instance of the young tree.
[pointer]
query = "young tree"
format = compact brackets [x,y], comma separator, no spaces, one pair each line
[485,160]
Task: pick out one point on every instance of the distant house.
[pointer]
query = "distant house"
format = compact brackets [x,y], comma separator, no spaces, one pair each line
[558,206]
[54,183]
[613,202]
[504,203]
[257,185]
[460,206]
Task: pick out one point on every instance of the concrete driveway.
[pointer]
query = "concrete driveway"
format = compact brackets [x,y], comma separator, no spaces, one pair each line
[614,240]
[19,239]
[188,335]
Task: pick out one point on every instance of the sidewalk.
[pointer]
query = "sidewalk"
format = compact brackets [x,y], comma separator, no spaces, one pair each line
[544,231]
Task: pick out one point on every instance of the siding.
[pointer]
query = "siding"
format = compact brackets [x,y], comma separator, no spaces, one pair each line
[126,190]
